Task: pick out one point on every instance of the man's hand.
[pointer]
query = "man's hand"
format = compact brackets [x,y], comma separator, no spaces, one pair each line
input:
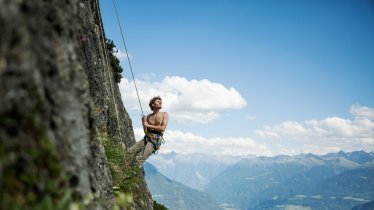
[144,122]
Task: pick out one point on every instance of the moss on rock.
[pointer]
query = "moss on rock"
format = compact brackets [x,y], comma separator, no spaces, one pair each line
[31,173]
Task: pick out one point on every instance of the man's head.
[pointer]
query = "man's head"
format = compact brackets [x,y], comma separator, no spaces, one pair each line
[153,101]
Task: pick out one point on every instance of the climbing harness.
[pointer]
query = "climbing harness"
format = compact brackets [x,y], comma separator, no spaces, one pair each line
[155,138]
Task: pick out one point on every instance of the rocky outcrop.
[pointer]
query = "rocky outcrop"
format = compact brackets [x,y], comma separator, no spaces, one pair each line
[63,127]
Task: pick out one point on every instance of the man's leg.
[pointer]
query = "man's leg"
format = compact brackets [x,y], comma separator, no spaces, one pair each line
[133,151]
[144,154]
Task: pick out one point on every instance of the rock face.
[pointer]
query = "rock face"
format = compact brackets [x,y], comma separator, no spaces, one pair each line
[63,127]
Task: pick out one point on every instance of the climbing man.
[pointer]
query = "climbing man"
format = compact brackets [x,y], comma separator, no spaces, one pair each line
[154,126]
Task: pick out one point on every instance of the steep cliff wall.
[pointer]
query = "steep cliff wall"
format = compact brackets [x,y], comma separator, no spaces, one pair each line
[63,127]
[113,124]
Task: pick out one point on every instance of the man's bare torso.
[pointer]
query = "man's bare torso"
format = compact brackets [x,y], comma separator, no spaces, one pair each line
[156,119]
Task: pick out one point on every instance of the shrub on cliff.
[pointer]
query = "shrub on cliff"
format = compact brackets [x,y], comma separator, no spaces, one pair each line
[157,206]
[114,62]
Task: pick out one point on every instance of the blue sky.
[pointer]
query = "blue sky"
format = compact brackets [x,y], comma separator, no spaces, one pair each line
[252,77]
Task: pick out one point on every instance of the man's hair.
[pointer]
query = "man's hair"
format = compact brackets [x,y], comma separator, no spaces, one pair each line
[153,100]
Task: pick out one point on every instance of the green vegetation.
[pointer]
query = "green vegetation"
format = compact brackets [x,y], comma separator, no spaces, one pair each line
[31,176]
[124,179]
[157,206]
[114,62]
[123,200]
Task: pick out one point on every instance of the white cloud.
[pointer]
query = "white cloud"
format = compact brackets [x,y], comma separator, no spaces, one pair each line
[288,128]
[188,143]
[330,134]
[322,136]
[362,111]
[250,117]
[199,101]
[121,55]
[147,76]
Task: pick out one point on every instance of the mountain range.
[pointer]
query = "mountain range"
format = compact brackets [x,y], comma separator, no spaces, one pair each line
[193,170]
[343,180]
[175,195]
[333,181]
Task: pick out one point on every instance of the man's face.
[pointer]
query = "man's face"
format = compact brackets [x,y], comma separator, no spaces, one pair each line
[157,104]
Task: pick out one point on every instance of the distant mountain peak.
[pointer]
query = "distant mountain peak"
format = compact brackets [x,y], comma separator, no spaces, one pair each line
[332,181]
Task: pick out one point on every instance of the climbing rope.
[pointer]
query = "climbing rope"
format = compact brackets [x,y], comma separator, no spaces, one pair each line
[128,60]
[127,55]
[107,64]
[112,91]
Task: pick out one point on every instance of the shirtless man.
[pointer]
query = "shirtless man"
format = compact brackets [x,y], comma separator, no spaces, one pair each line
[154,126]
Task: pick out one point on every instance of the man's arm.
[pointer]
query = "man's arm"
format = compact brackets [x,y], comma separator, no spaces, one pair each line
[160,128]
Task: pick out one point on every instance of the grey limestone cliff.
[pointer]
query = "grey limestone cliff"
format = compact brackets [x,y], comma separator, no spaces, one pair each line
[63,127]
